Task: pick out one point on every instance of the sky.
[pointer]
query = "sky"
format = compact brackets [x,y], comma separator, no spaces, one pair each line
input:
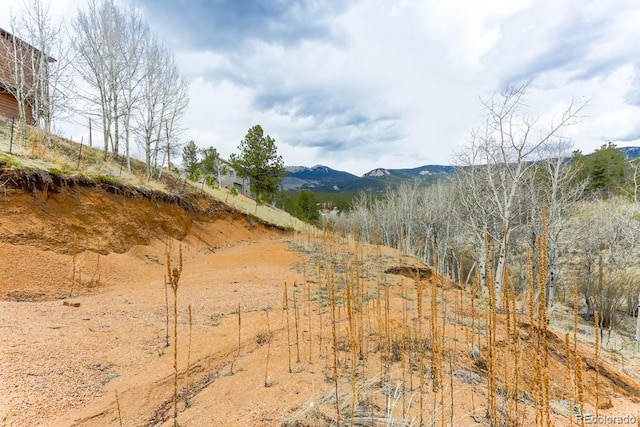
[361,84]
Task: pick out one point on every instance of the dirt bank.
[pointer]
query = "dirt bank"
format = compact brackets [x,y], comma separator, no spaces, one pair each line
[51,226]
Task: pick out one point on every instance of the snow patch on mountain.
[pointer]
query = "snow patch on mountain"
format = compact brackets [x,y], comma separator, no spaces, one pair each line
[377,173]
[294,169]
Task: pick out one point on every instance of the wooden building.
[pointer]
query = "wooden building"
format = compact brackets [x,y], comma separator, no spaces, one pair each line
[16,74]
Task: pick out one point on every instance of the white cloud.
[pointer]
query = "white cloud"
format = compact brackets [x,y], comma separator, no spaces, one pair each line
[396,84]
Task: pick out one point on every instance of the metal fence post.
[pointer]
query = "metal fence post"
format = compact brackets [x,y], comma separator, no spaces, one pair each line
[13,121]
[79,156]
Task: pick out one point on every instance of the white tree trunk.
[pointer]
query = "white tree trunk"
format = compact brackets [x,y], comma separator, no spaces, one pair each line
[638,325]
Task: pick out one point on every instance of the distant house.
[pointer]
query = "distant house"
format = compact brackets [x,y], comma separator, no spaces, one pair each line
[228,178]
[19,61]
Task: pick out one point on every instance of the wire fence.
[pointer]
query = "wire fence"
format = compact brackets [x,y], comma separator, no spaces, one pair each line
[62,155]
[7,131]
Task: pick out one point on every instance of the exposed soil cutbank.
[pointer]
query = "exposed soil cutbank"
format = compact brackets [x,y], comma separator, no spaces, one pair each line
[47,221]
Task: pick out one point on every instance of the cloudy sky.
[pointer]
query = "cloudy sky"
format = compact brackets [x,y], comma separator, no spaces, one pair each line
[361,84]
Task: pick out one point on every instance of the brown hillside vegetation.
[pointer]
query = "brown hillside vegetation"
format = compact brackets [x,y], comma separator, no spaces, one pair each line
[281,324]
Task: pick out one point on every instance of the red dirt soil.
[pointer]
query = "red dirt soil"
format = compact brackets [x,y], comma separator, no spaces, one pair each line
[62,365]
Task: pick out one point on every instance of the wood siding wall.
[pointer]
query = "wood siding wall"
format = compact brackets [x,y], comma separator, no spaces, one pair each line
[8,105]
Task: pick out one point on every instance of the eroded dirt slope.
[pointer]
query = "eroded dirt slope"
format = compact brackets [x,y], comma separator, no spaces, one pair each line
[105,249]
[62,365]
[45,232]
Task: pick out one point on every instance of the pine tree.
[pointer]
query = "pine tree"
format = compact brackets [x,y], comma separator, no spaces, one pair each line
[190,161]
[607,170]
[259,161]
[308,207]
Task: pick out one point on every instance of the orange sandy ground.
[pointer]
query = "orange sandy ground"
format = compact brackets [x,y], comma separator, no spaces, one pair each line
[62,365]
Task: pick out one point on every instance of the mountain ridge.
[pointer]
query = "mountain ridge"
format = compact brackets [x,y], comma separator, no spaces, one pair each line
[322,178]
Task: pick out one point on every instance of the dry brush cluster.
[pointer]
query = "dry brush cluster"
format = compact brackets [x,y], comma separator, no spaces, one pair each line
[413,348]
[430,351]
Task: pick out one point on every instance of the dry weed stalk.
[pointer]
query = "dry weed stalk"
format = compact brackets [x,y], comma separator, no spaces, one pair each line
[491,363]
[387,332]
[352,345]
[320,312]
[74,254]
[118,408]
[166,309]
[403,364]
[266,369]
[537,374]
[575,315]
[579,387]
[285,307]
[321,333]
[174,278]
[420,344]
[577,361]
[296,316]
[505,354]
[441,359]
[542,318]
[361,307]
[380,324]
[474,290]
[96,281]
[308,286]
[516,354]
[332,301]
[239,329]
[435,340]
[450,390]
[186,396]
[568,377]
[596,320]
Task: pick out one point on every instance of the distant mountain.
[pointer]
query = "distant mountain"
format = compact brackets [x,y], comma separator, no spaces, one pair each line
[631,152]
[318,178]
[321,178]
[378,180]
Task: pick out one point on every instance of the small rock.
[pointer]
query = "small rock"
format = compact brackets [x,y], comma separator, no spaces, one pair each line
[71,304]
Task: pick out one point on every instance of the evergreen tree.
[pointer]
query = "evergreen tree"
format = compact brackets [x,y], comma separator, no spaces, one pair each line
[209,165]
[308,207]
[607,170]
[285,202]
[259,161]
[190,161]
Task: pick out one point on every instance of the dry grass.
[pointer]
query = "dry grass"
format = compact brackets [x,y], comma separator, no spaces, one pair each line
[64,157]
[388,336]
[266,213]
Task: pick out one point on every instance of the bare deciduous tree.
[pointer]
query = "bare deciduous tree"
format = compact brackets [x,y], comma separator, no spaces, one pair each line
[553,183]
[97,35]
[605,242]
[636,180]
[492,171]
[163,100]
[132,81]
[37,63]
